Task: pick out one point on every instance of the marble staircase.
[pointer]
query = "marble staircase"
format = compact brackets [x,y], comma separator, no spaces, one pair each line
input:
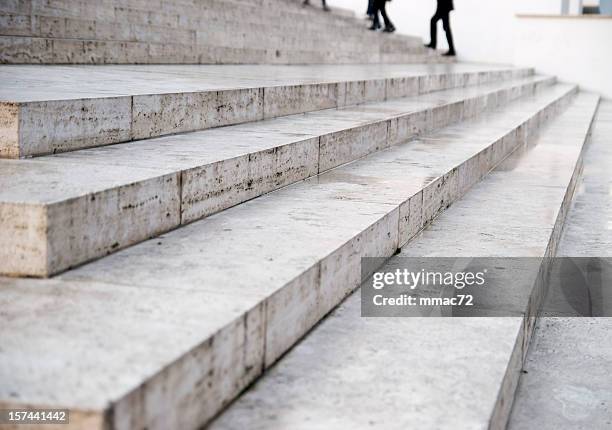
[133,191]
[43,111]
[261,274]
[181,243]
[459,373]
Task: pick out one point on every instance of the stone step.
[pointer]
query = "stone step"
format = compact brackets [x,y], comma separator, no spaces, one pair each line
[132,32]
[226,32]
[567,378]
[42,50]
[167,13]
[60,211]
[168,332]
[395,373]
[77,19]
[131,25]
[42,111]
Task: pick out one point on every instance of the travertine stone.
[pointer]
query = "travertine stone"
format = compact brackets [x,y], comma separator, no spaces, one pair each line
[116,32]
[567,378]
[161,339]
[150,327]
[115,104]
[46,128]
[48,230]
[287,100]
[9,130]
[438,360]
[349,145]
[155,115]
[210,170]
[23,235]
[217,186]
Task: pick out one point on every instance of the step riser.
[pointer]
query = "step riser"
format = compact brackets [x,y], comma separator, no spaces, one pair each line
[49,50]
[310,296]
[38,128]
[503,406]
[95,225]
[219,35]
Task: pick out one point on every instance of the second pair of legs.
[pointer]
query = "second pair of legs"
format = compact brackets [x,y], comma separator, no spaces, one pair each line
[445,17]
[379,6]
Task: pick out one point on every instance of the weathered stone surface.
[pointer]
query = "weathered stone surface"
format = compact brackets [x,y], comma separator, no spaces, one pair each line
[47,229]
[397,372]
[232,283]
[9,130]
[567,378]
[122,336]
[115,104]
[134,32]
[50,127]
[212,170]
[155,115]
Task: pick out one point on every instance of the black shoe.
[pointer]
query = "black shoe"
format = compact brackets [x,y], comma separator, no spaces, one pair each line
[326,8]
[306,3]
[375,27]
[389,29]
[449,54]
[430,46]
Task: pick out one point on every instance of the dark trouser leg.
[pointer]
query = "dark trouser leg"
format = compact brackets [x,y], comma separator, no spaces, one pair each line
[433,31]
[371,7]
[376,21]
[383,12]
[449,33]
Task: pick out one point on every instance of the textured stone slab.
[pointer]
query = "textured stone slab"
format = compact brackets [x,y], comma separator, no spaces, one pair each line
[210,170]
[42,111]
[567,378]
[135,32]
[402,373]
[98,211]
[262,273]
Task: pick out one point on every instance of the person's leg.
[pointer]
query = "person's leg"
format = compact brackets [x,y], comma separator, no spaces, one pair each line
[389,27]
[324,4]
[375,20]
[449,33]
[371,9]
[433,31]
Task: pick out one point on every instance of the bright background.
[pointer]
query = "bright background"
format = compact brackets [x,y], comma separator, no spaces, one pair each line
[576,49]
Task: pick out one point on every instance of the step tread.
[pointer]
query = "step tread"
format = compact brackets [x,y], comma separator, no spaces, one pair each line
[21,84]
[568,356]
[49,179]
[228,263]
[439,361]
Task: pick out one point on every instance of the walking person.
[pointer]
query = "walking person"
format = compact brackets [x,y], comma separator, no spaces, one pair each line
[379,6]
[442,13]
[323,3]
[370,12]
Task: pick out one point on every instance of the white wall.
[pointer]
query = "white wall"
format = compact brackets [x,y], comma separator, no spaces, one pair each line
[575,50]
[482,28]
